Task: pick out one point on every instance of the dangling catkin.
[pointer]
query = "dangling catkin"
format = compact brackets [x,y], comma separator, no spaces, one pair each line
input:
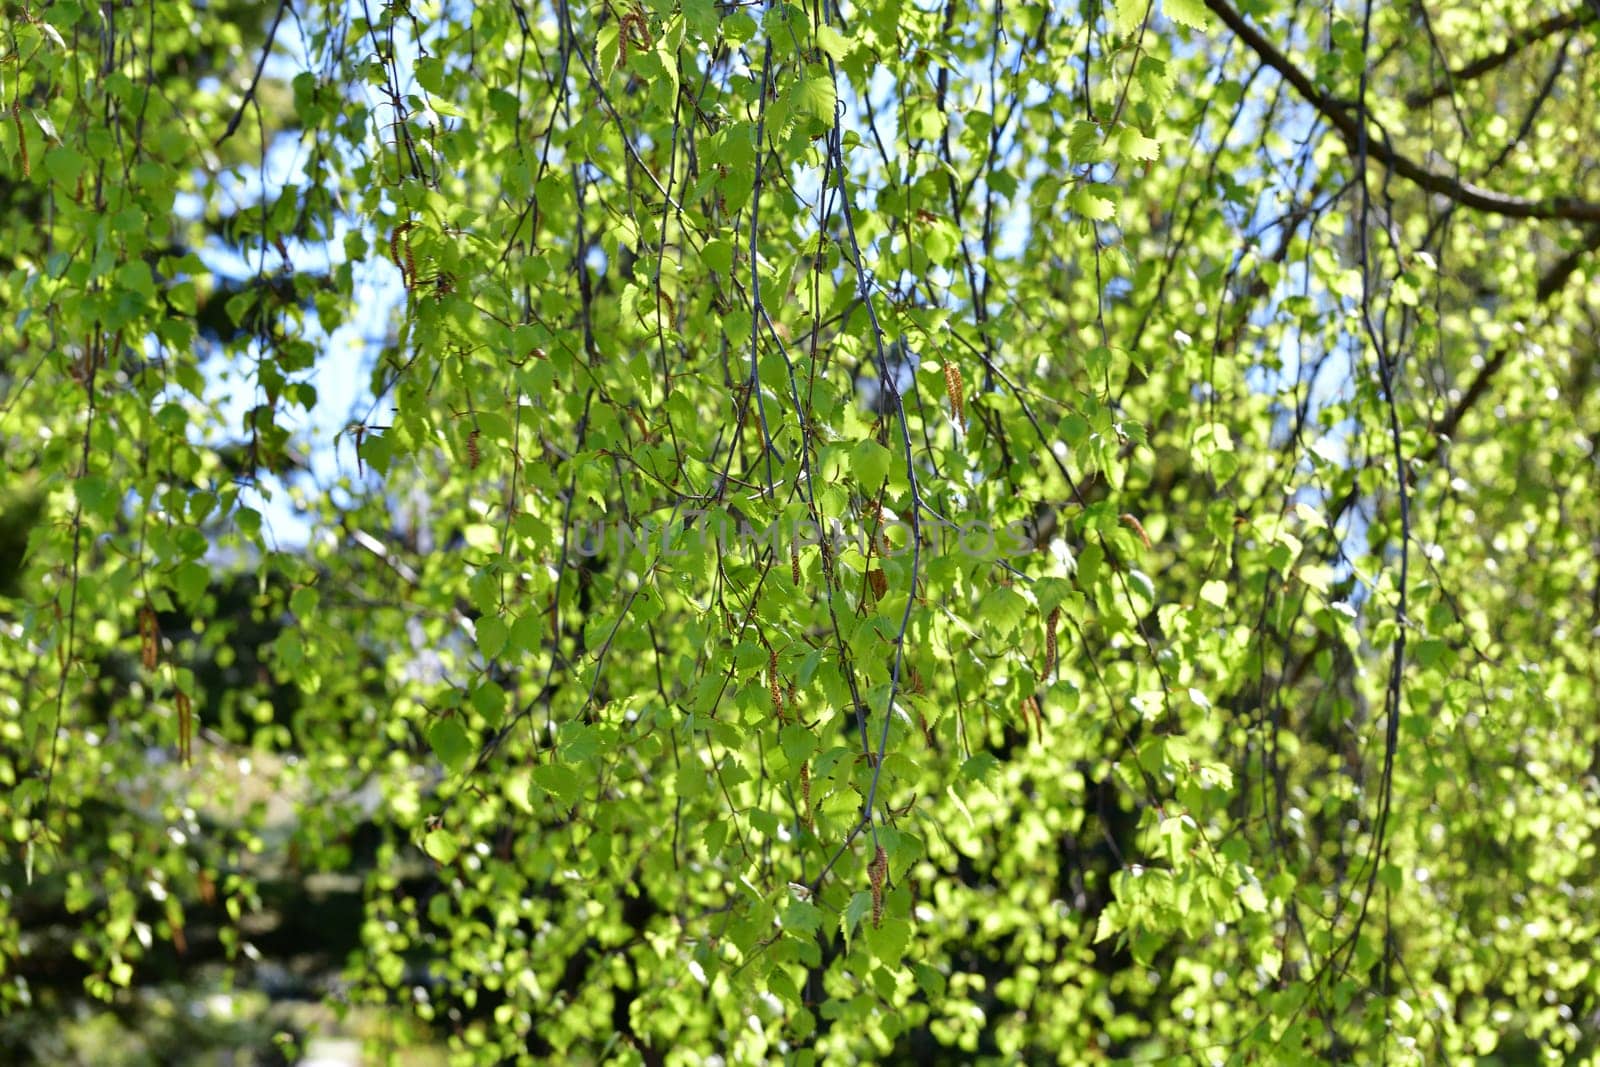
[1050,642]
[953,389]
[394,251]
[805,791]
[1137,527]
[22,140]
[149,638]
[1032,712]
[879,583]
[185,725]
[878,872]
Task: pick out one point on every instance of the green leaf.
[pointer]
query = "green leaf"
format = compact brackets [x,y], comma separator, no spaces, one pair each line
[832,42]
[718,256]
[559,781]
[449,741]
[491,635]
[780,985]
[1188,12]
[802,917]
[1084,143]
[441,846]
[1128,15]
[46,127]
[870,461]
[63,165]
[1095,202]
[860,907]
[930,981]
[303,602]
[889,940]
[701,17]
[191,581]
[377,451]
[1004,609]
[814,97]
[1131,144]
[429,72]
[692,781]
[490,701]
[799,744]
[525,635]
[980,767]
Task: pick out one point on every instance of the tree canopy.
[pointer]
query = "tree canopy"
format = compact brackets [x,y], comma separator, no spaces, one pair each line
[907,531]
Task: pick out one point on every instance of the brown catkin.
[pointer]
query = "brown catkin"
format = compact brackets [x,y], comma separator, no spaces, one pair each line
[879,582]
[953,389]
[642,24]
[1137,527]
[149,638]
[1050,642]
[22,140]
[805,791]
[185,725]
[772,681]
[1030,710]
[474,453]
[794,560]
[400,252]
[878,872]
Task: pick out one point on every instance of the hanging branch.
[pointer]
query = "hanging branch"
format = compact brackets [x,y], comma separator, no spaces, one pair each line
[1379,148]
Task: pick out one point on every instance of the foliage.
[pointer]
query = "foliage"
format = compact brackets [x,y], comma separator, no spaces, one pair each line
[1205,396]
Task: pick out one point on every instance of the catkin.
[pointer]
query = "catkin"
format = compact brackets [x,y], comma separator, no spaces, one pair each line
[878,872]
[149,638]
[1031,710]
[1138,528]
[643,25]
[953,389]
[805,791]
[22,140]
[185,725]
[474,453]
[879,582]
[400,252]
[1050,642]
